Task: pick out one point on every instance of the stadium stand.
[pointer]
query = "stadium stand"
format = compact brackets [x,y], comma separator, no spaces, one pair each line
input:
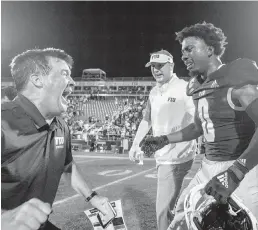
[99,108]
[104,113]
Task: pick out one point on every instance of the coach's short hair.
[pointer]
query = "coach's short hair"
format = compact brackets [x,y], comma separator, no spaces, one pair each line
[212,36]
[35,61]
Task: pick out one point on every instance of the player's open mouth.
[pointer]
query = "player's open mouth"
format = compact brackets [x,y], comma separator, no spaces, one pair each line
[189,65]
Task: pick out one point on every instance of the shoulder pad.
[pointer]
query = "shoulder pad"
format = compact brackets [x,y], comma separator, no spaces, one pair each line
[192,86]
[243,61]
[241,72]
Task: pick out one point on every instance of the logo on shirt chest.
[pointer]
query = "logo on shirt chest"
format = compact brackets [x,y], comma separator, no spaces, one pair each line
[171,99]
[202,93]
[59,142]
[214,84]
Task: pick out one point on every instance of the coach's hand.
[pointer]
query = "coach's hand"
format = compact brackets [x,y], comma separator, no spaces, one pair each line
[28,216]
[135,149]
[225,183]
[99,202]
[152,144]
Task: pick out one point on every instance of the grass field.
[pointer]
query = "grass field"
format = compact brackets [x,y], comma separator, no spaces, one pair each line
[115,177]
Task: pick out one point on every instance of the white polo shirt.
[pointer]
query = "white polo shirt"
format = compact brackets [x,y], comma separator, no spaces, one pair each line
[170,110]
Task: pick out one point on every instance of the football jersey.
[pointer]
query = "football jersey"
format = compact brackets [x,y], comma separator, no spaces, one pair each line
[170,110]
[226,126]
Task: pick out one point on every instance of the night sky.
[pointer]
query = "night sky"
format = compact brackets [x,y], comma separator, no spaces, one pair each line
[119,36]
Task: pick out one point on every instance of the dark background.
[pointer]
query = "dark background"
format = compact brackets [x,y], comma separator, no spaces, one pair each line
[119,36]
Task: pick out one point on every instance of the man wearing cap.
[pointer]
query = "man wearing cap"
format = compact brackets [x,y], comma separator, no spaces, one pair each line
[168,109]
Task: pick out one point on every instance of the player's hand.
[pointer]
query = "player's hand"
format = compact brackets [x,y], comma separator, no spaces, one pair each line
[100,202]
[135,149]
[28,216]
[153,144]
[224,184]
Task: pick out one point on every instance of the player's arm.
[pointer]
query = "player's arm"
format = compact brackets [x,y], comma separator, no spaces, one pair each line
[248,98]
[191,132]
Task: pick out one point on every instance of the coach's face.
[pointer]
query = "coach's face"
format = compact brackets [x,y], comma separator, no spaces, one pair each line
[196,55]
[58,84]
[161,72]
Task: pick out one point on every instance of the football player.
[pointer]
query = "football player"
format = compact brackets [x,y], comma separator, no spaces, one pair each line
[226,102]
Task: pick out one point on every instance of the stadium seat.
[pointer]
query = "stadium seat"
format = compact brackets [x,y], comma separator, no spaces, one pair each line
[99,109]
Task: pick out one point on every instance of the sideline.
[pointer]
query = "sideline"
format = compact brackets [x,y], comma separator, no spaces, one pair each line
[110,157]
[59,202]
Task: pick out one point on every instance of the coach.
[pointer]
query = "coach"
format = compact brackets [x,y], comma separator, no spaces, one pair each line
[168,109]
[36,145]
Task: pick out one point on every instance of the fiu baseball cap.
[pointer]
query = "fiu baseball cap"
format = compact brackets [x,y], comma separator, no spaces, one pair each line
[161,56]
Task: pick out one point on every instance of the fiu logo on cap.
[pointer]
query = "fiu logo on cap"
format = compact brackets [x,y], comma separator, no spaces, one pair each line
[59,142]
[171,99]
[155,56]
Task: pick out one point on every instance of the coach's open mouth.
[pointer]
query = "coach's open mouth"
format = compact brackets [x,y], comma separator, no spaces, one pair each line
[159,75]
[68,90]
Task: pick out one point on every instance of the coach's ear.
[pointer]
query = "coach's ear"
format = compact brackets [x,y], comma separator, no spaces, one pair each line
[36,80]
[210,51]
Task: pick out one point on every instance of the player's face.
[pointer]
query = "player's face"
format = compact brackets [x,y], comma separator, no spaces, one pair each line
[195,55]
[58,84]
[161,72]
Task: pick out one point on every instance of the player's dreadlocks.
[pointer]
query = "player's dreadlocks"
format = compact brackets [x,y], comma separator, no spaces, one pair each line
[212,36]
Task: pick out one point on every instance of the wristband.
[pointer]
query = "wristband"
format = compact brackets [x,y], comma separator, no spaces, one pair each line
[94,193]
[238,170]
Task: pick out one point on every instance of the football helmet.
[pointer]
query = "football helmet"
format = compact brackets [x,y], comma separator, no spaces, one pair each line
[203,212]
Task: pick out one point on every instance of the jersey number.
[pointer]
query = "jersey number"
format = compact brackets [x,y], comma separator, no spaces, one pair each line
[207,125]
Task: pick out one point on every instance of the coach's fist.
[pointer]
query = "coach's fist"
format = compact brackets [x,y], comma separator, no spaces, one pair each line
[100,202]
[28,216]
